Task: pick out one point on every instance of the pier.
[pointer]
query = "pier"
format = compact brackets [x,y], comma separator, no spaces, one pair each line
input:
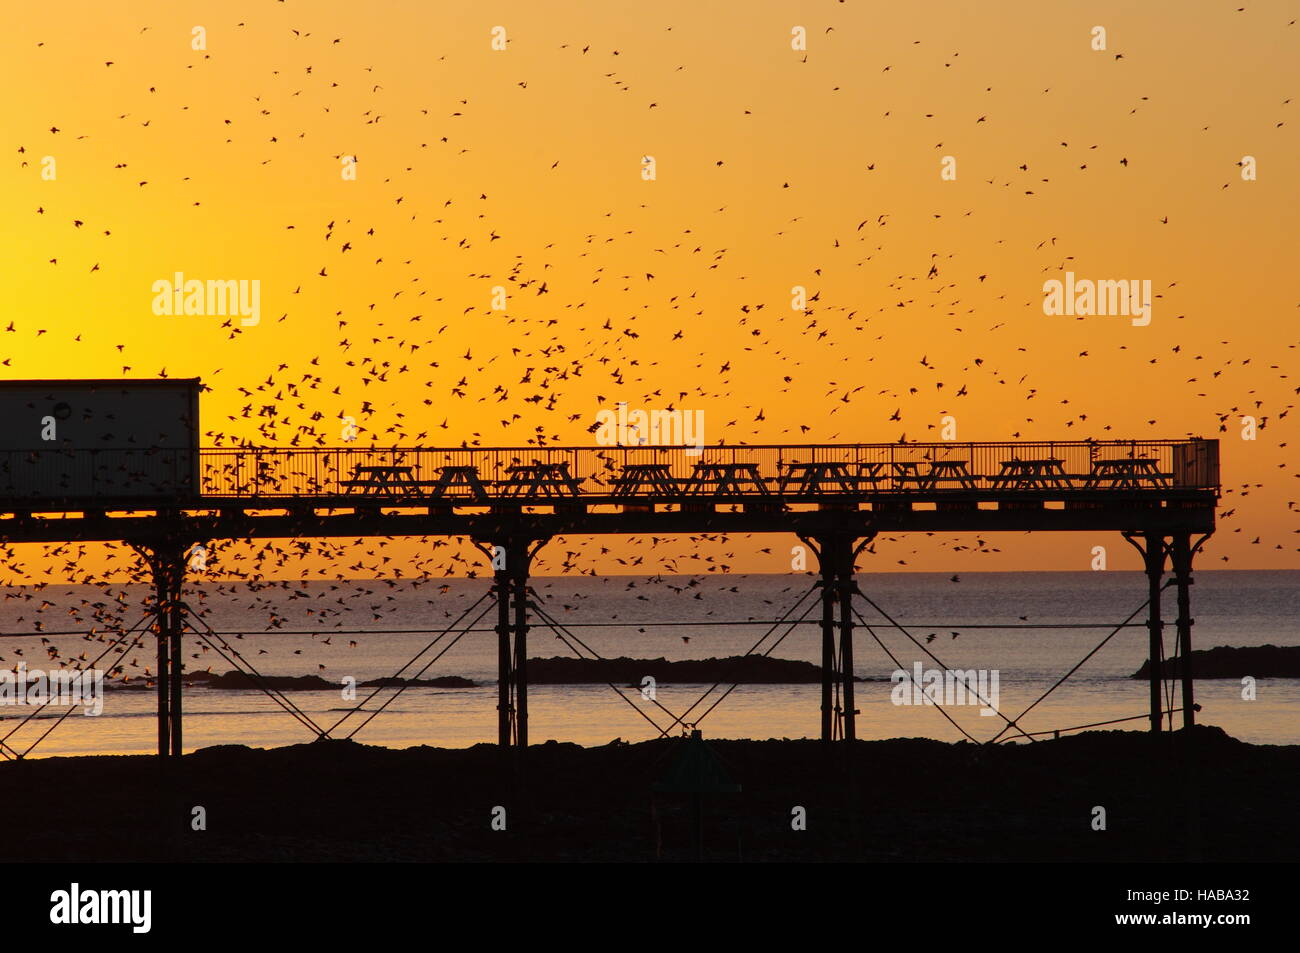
[1160,495]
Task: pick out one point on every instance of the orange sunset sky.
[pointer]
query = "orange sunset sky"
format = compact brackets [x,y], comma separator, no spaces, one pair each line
[774,168]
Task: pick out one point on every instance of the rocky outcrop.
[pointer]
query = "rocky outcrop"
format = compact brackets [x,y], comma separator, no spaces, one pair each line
[1259,661]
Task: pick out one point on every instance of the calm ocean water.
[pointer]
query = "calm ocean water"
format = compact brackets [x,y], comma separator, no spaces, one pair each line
[617,616]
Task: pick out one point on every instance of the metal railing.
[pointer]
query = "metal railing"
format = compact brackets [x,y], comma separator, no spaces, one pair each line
[488,474]
[852,469]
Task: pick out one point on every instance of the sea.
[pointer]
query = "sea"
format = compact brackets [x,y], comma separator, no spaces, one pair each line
[1028,628]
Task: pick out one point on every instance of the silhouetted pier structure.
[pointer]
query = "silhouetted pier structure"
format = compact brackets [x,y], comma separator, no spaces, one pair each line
[1160,494]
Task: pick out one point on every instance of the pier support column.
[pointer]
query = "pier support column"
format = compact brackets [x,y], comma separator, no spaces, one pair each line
[510,558]
[828,647]
[521,654]
[846,650]
[161,677]
[1154,555]
[166,559]
[505,659]
[1181,554]
[836,556]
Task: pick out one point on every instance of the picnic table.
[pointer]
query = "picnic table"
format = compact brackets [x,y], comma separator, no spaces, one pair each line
[723,479]
[947,471]
[539,479]
[821,476]
[905,472]
[656,478]
[382,480]
[1131,473]
[869,473]
[1031,475]
[450,478]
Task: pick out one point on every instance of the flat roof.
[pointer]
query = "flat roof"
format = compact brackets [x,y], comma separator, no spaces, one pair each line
[103,382]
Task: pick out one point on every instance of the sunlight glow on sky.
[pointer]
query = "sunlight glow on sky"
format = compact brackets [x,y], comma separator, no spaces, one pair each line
[774,168]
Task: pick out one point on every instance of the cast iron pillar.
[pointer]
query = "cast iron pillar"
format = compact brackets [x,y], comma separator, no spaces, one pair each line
[511,557]
[505,660]
[166,559]
[162,673]
[1154,554]
[1181,554]
[521,652]
[846,650]
[836,555]
[828,646]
